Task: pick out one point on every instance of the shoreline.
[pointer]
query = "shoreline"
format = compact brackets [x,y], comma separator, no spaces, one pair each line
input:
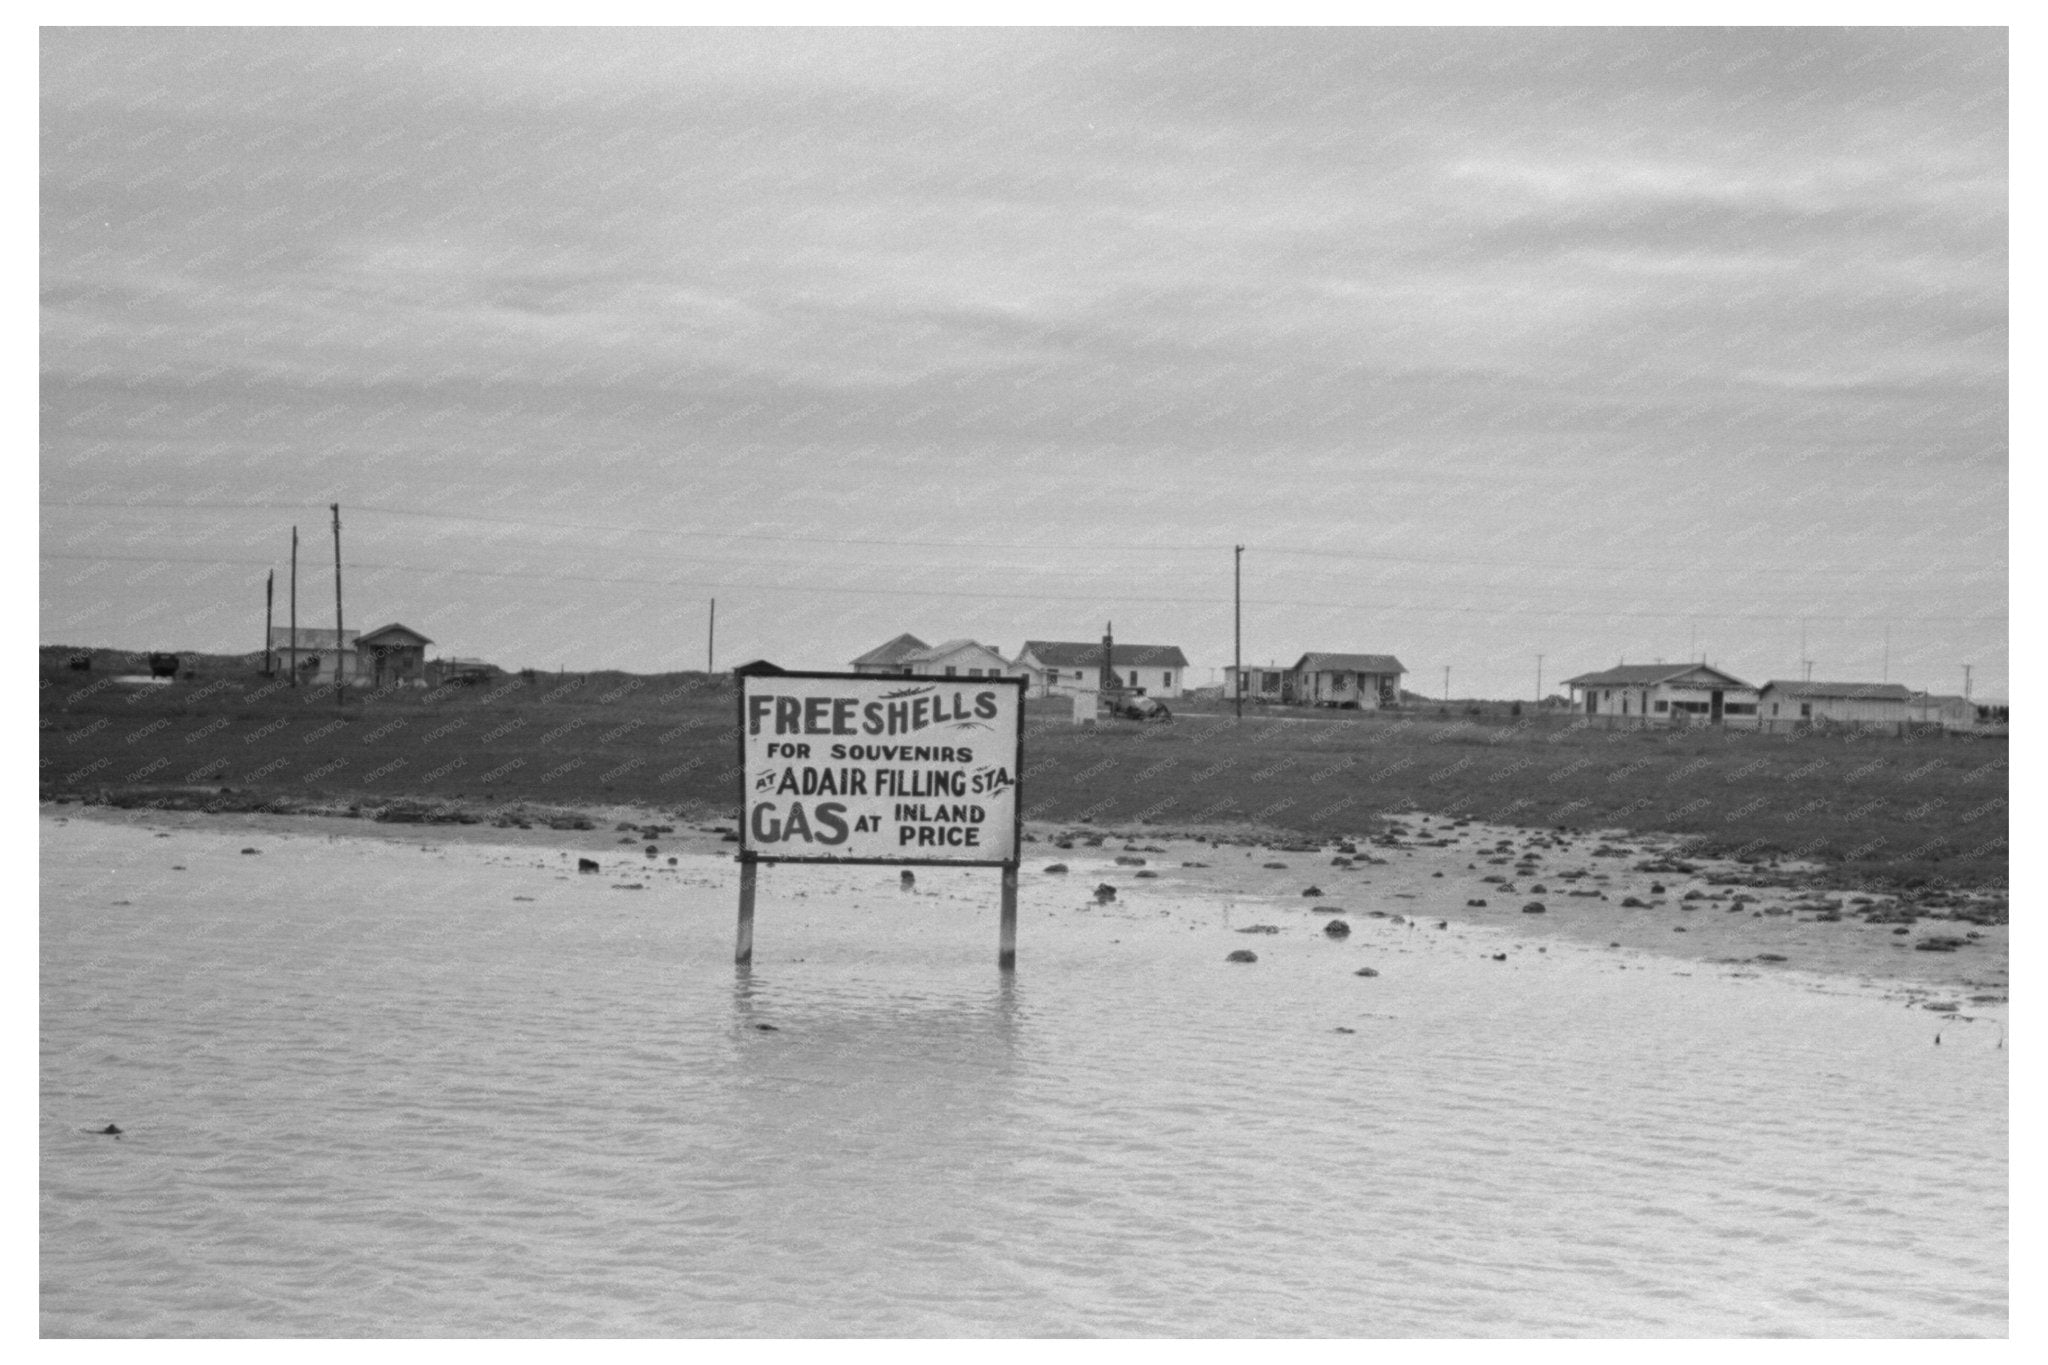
[1608,889]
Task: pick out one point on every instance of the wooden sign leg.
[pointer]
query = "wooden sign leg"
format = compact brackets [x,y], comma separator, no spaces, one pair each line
[1006,953]
[743,951]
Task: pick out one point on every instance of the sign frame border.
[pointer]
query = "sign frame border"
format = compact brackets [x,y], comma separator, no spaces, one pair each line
[747,855]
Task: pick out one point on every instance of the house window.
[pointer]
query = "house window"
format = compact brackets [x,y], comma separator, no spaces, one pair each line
[1806,710]
[1166,679]
[1740,708]
[1774,708]
[1134,677]
[949,670]
[1663,707]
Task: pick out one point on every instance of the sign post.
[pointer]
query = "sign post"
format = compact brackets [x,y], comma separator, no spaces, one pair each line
[860,768]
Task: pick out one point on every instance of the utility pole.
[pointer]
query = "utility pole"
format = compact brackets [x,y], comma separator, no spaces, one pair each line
[1887,675]
[711,637]
[295,607]
[1447,682]
[1966,682]
[335,507]
[1539,680]
[269,599]
[1237,628]
[1805,664]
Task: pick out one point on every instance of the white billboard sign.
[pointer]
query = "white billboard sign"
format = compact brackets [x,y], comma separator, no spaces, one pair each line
[857,768]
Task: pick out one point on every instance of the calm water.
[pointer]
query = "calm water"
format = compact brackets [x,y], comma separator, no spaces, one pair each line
[367,1091]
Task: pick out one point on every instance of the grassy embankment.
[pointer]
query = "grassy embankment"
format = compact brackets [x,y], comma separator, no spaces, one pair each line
[1880,809]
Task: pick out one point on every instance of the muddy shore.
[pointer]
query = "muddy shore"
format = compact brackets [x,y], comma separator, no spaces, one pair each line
[1604,888]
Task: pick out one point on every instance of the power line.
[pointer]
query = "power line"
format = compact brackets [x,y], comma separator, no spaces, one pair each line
[1510,609]
[1096,547]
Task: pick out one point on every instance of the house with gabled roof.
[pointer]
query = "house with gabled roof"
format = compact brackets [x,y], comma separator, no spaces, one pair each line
[1365,681]
[1834,703]
[888,658]
[908,656]
[1670,694]
[1062,668]
[392,654]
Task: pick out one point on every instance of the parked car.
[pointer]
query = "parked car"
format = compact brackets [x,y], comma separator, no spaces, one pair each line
[1140,708]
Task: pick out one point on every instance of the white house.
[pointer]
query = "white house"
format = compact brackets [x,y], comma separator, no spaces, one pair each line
[1061,668]
[1266,682]
[1674,694]
[957,659]
[1834,703]
[889,658]
[1365,681]
[1950,712]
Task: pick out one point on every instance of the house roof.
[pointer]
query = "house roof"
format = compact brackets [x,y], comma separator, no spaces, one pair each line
[940,651]
[1648,675]
[1071,654]
[894,652]
[397,632]
[1348,663]
[1842,691]
[1940,699]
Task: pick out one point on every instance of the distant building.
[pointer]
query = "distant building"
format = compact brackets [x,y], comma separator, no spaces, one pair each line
[313,656]
[1675,694]
[1834,703]
[1062,668]
[465,671]
[1262,682]
[889,658]
[1949,712]
[392,654]
[957,659]
[1366,681]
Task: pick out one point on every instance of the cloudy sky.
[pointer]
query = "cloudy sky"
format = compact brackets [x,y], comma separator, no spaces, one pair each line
[1601,345]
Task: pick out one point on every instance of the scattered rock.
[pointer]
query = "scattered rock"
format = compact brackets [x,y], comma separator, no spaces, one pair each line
[1260,929]
[587,865]
[1056,869]
[1533,908]
[1276,867]
[1312,891]
[1475,905]
[1104,893]
[1337,928]
[252,850]
[1500,957]
[908,881]
[1769,957]
[1126,861]
[109,1131]
[1242,955]
[1367,971]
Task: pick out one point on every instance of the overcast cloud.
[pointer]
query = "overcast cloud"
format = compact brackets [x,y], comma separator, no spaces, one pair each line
[1591,343]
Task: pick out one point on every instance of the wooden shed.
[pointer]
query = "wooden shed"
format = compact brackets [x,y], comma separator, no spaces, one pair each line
[1665,694]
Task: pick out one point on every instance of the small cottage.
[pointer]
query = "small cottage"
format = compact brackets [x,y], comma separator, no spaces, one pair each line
[1672,694]
[1061,668]
[1357,681]
[313,655]
[392,655]
[890,657]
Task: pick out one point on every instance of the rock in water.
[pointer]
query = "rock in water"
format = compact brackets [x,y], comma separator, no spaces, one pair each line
[1533,908]
[1242,955]
[1104,893]
[1366,971]
[1337,928]
[586,865]
[1312,891]
[909,880]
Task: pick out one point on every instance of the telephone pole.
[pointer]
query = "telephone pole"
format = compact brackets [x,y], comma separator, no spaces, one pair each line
[711,637]
[269,597]
[1966,681]
[1237,628]
[1539,680]
[295,607]
[1447,682]
[335,507]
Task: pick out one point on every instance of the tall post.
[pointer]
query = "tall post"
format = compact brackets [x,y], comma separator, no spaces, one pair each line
[295,607]
[743,949]
[1966,681]
[1237,628]
[1447,682]
[1006,947]
[1539,680]
[335,507]
[711,638]
[269,609]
